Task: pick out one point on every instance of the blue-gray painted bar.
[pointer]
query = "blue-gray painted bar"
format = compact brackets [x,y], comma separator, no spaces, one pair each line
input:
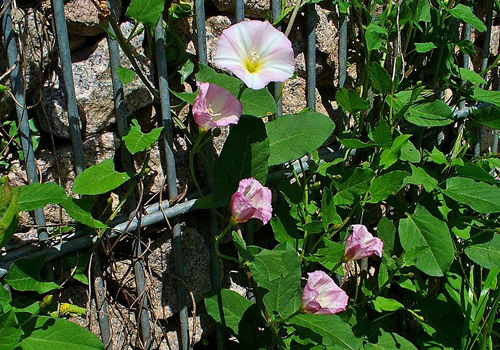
[240,10]
[311,56]
[342,51]
[201,31]
[65,58]
[17,83]
[161,59]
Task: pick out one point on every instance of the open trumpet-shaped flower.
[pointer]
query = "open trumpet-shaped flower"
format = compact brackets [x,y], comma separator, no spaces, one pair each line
[251,200]
[322,296]
[215,107]
[255,52]
[361,244]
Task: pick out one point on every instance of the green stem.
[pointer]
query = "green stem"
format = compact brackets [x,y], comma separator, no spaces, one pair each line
[219,238]
[196,149]
[284,319]
[292,17]
[118,35]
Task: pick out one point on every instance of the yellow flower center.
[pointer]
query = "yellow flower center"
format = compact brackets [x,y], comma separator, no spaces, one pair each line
[211,111]
[252,63]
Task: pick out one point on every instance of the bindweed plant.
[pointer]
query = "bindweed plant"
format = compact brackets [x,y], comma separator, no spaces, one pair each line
[390,241]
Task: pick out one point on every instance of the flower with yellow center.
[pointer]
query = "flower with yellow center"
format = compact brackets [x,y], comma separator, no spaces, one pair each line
[215,107]
[255,52]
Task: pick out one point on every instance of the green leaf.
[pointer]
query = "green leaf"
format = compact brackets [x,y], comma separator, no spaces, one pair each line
[137,141]
[186,69]
[486,254]
[391,156]
[278,271]
[380,79]
[420,177]
[474,171]
[234,307]
[99,179]
[481,197]
[423,229]
[435,113]
[9,331]
[328,256]
[125,75]
[410,153]
[487,96]
[384,304]
[8,213]
[187,97]
[383,186]
[350,101]
[386,231]
[354,185]
[38,195]
[327,330]
[24,275]
[329,214]
[294,135]
[356,144]
[465,14]
[47,333]
[381,134]
[471,76]
[146,11]
[284,225]
[244,155]
[374,36]
[422,11]
[488,116]
[390,341]
[424,47]
[259,103]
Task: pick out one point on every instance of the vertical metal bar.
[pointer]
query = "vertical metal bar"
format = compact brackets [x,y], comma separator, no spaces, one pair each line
[276,87]
[240,10]
[17,82]
[311,56]
[121,121]
[161,59]
[484,64]
[201,31]
[101,304]
[65,58]
[342,50]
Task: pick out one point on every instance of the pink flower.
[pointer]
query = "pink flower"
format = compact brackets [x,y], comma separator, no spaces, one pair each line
[322,296]
[361,244]
[255,52]
[252,200]
[215,107]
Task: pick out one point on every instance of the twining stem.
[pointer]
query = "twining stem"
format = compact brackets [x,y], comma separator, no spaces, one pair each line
[287,318]
[220,237]
[293,16]
[122,41]
[196,149]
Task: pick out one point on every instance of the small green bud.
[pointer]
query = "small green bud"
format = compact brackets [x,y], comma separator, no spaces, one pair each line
[48,299]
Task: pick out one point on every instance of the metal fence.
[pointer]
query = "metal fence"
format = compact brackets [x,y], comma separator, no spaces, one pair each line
[154,214]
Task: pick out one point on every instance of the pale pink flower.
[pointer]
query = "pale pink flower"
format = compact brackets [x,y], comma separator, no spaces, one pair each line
[255,52]
[322,296]
[251,200]
[361,244]
[215,107]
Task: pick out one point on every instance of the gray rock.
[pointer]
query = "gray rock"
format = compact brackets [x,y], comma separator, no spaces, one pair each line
[93,88]
[82,17]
